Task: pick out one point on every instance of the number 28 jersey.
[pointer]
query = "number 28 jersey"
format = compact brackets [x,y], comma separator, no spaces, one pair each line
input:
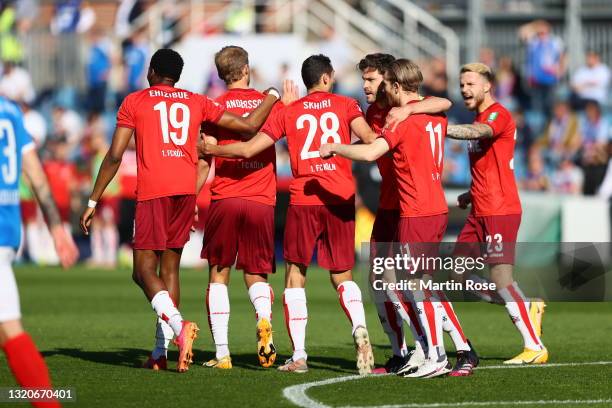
[166,122]
[316,119]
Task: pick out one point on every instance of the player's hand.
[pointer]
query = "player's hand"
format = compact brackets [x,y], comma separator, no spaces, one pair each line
[464,200]
[195,219]
[291,92]
[270,89]
[397,115]
[86,218]
[64,245]
[204,146]
[326,150]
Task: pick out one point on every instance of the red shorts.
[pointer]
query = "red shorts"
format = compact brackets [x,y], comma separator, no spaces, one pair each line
[421,236]
[164,222]
[384,232]
[240,231]
[493,237]
[330,227]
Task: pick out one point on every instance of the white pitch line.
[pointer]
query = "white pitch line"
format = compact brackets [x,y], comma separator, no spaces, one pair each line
[297,393]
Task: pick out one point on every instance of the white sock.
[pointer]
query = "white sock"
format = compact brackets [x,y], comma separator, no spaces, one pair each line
[451,325]
[518,309]
[392,323]
[430,315]
[111,243]
[163,336]
[350,299]
[97,245]
[261,296]
[218,305]
[165,309]
[296,315]
[408,311]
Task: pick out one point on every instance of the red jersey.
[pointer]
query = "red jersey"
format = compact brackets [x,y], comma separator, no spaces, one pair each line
[389,199]
[316,119]
[166,123]
[417,145]
[493,187]
[252,179]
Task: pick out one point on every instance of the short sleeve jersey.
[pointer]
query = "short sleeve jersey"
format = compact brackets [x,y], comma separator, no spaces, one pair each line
[316,119]
[417,145]
[14,142]
[253,179]
[493,189]
[166,122]
[389,199]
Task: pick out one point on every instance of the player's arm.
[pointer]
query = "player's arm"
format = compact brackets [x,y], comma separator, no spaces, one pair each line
[204,162]
[469,132]
[250,125]
[432,105]
[463,200]
[242,150]
[108,169]
[34,173]
[362,130]
[357,152]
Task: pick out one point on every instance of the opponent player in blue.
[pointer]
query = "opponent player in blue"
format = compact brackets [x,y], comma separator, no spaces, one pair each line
[17,152]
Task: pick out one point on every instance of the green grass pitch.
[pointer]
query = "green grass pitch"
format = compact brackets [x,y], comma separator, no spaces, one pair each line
[95,328]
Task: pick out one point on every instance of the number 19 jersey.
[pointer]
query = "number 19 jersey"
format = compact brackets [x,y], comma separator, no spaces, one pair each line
[166,122]
[316,119]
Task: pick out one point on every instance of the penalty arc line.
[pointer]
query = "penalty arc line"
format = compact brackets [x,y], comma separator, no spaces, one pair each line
[297,393]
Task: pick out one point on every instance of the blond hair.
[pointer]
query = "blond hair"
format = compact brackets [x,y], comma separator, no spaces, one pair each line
[406,73]
[479,68]
[229,62]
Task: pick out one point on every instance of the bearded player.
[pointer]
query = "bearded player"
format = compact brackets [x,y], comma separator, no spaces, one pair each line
[243,198]
[495,216]
[321,213]
[165,121]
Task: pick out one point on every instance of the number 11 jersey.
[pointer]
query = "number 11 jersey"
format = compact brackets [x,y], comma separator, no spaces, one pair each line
[166,122]
[316,119]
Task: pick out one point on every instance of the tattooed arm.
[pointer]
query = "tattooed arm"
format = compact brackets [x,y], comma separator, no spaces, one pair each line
[469,132]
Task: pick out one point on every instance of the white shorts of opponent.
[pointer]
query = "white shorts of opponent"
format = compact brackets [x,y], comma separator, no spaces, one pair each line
[9,297]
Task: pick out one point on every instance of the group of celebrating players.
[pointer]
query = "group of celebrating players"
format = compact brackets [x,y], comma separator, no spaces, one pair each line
[177,134]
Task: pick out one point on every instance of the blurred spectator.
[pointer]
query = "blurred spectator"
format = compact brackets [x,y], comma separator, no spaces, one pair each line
[35,124]
[524,133]
[66,16]
[508,85]
[68,126]
[10,46]
[98,71]
[16,83]
[127,12]
[567,178]
[535,179]
[26,12]
[456,164]
[135,60]
[591,82]
[127,202]
[170,18]
[240,19]
[561,138]
[435,80]
[487,57]
[87,18]
[215,86]
[544,64]
[595,132]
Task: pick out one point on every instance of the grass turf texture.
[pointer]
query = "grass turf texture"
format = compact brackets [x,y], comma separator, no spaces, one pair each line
[95,328]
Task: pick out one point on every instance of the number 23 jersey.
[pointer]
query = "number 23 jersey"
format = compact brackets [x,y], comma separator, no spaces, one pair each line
[316,119]
[166,122]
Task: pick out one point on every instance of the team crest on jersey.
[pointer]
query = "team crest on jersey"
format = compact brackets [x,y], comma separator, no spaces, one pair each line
[492,116]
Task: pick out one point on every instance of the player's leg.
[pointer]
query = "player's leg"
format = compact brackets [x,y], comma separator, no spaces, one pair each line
[170,260]
[302,228]
[256,259]
[336,253]
[500,233]
[296,316]
[218,308]
[23,358]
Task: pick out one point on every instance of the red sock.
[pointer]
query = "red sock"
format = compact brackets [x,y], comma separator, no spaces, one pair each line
[28,366]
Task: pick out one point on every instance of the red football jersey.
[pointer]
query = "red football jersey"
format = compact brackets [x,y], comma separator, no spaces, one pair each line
[417,145]
[493,187]
[166,123]
[252,179]
[389,199]
[316,119]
